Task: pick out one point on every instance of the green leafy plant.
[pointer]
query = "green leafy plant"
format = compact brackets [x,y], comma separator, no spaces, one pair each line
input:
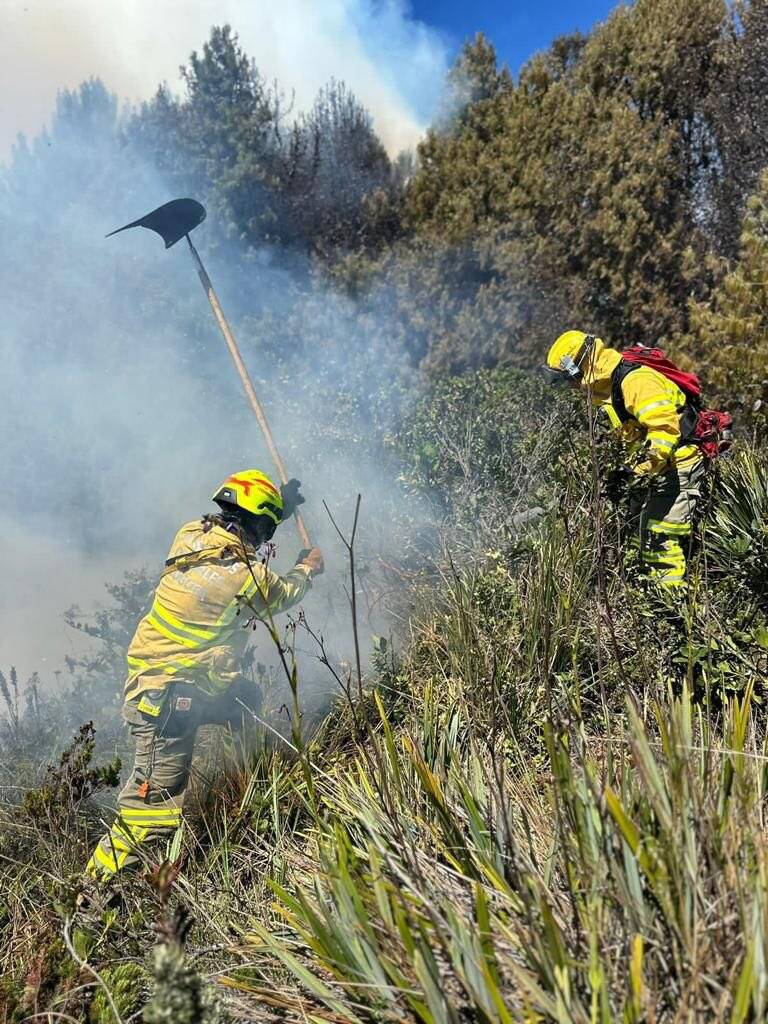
[73,780]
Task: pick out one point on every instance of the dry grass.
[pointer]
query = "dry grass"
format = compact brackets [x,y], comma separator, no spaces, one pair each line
[548,808]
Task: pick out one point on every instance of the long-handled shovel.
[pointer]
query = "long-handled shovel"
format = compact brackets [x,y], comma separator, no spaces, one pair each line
[174,221]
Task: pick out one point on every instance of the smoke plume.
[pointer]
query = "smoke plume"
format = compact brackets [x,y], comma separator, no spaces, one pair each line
[121,412]
[394,64]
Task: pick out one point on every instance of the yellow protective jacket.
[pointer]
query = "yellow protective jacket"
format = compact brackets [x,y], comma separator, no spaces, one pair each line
[193,629]
[655,404]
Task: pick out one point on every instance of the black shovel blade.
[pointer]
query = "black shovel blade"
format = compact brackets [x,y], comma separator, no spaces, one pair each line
[171,221]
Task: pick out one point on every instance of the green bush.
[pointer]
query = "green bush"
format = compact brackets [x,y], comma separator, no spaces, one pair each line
[484,446]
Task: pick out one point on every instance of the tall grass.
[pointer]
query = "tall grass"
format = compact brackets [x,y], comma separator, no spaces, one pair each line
[548,806]
[516,840]
[607,883]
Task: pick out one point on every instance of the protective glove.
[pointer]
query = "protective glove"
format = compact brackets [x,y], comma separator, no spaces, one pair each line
[646,470]
[291,496]
[616,483]
[313,559]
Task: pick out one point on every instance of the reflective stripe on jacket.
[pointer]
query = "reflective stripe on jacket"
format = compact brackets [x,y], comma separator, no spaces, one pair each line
[193,627]
[656,404]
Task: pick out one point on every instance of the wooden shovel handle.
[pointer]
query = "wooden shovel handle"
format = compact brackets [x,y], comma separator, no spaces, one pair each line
[245,379]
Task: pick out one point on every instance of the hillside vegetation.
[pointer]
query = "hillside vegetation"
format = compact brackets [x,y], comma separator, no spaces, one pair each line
[541,797]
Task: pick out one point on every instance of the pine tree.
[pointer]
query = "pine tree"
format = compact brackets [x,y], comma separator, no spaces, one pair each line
[589,181]
[474,77]
[738,118]
[729,334]
[230,127]
[333,160]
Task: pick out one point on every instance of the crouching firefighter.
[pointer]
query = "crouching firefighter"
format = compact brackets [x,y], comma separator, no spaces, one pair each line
[183,659]
[657,407]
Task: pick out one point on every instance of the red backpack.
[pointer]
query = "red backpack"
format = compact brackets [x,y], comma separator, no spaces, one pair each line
[710,429]
[657,359]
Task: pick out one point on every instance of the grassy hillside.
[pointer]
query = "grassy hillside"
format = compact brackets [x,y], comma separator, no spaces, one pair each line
[542,803]
[540,799]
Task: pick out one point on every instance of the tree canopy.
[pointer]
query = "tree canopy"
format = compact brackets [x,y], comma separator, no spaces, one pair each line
[606,187]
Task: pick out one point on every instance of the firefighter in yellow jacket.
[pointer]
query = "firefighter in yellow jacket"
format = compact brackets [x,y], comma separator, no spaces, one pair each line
[183,659]
[653,415]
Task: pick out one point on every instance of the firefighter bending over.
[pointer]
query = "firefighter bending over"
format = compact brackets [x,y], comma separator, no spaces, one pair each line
[658,421]
[183,659]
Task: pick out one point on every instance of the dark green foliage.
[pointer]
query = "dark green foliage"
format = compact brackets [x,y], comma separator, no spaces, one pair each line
[729,333]
[589,193]
[482,447]
[474,77]
[737,531]
[179,994]
[47,973]
[739,117]
[72,780]
[225,135]
[332,162]
[127,984]
[583,183]
[298,184]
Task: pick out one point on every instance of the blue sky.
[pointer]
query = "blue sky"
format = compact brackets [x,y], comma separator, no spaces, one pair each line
[517,28]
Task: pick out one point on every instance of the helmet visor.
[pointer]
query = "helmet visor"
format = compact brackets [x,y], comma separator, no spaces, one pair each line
[573,372]
[567,374]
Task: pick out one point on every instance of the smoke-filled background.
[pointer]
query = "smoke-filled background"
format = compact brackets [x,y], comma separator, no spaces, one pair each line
[394,63]
[121,411]
[352,270]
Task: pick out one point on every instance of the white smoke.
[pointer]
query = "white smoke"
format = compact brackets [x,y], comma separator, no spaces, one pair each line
[392,62]
[120,412]
[45,574]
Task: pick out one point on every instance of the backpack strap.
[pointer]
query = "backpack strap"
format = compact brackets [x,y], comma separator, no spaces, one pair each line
[227,553]
[689,421]
[689,416]
[618,377]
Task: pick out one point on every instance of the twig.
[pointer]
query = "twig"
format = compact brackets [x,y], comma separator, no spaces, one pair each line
[350,546]
[48,1015]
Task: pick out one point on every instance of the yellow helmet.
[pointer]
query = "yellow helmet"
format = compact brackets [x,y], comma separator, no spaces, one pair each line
[574,358]
[252,491]
[568,345]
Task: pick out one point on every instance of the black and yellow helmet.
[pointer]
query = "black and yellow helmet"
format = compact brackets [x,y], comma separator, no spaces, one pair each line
[251,491]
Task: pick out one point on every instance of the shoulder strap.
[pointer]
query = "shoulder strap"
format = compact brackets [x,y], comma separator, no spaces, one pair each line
[617,396]
[180,563]
[689,421]
[688,417]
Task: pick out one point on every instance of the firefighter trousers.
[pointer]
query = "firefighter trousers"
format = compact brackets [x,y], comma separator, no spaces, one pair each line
[150,805]
[665,522]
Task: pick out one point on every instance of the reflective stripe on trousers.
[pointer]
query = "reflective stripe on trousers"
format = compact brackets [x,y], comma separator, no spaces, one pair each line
[150,804]
[666,522]
[120,847]
[666,561]
[149,808]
